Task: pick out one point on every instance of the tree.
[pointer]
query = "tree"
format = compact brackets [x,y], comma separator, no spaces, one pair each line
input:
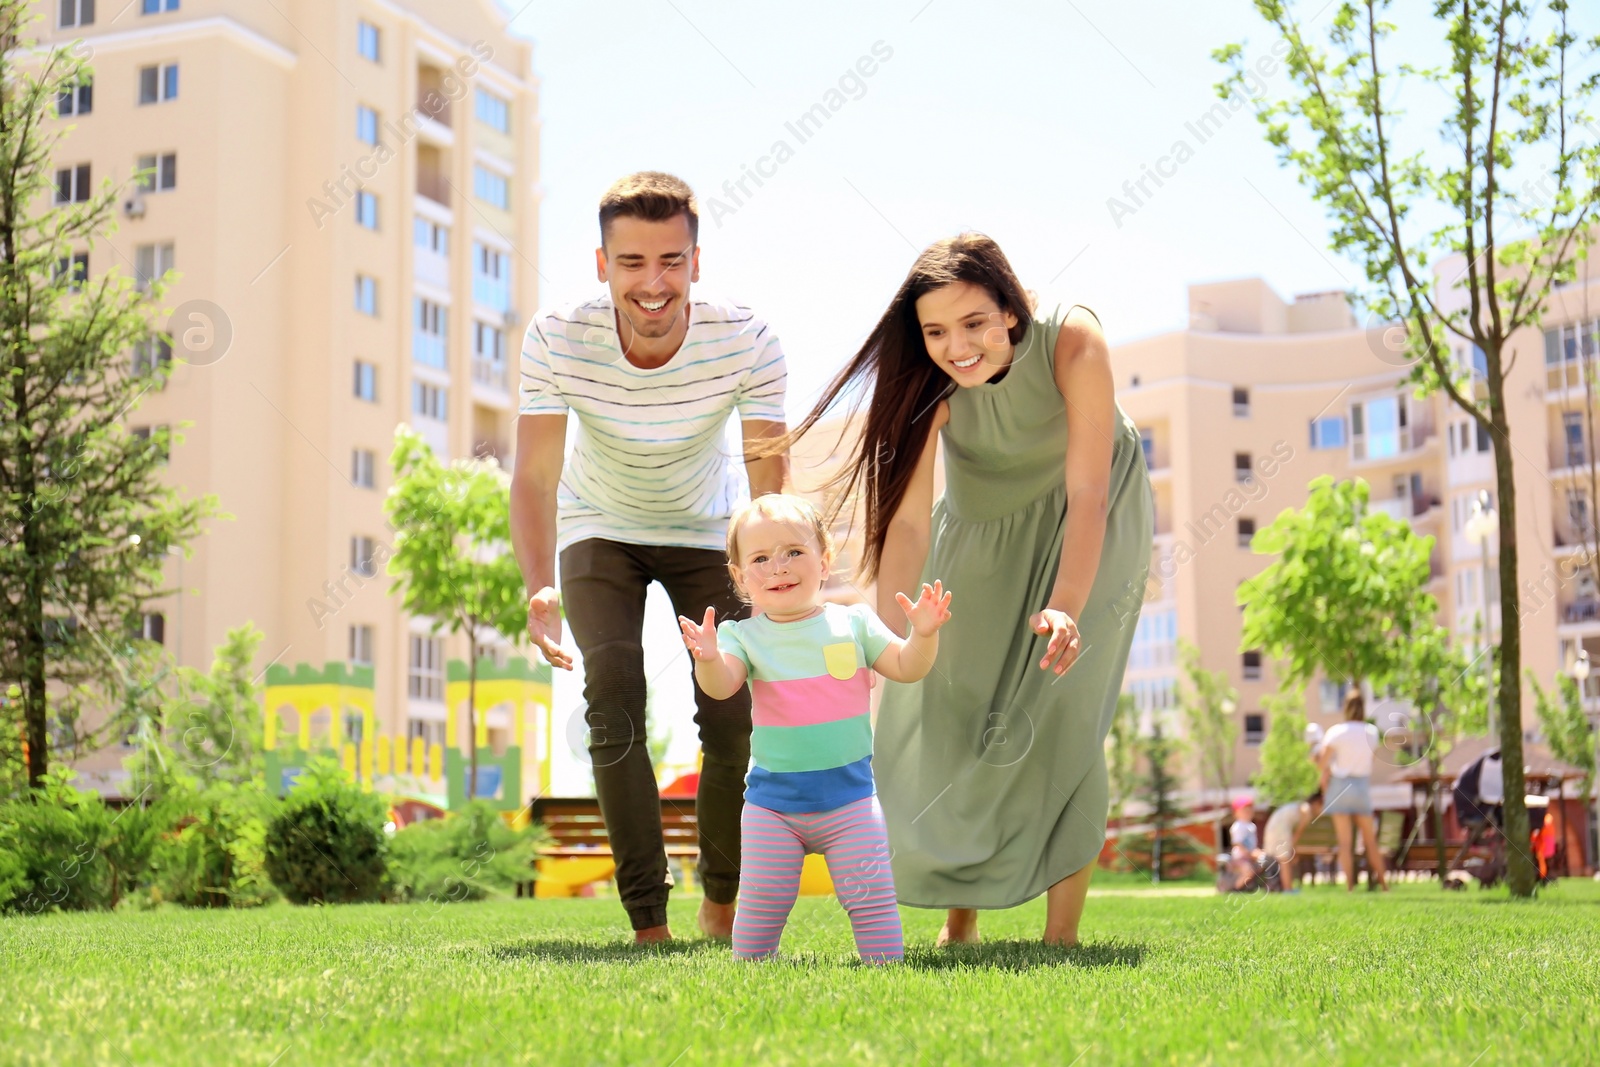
[1122,754]
[75,483]
[1208,705]
[1398,206]
[1287,774]
[1346,594]
[451,562]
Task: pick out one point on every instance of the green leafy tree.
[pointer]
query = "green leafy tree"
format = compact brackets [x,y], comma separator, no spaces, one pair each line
[452,561]
[1566,728]
[1449,700]
[1347,591]
[76,484]
[1287,774]
[216,725]
[1520,86]
[1209,704]
[1122,754]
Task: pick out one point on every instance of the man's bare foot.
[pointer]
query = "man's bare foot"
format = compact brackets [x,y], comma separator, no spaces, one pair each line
[960,927]
[716,920]
[651,934]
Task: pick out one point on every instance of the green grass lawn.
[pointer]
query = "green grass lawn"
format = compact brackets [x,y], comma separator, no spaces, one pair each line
[1414,977]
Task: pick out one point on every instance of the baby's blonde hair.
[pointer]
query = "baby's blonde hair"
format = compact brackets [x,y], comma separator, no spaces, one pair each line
[779,507]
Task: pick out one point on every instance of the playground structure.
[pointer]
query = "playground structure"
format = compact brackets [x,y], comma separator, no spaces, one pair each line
[329,702]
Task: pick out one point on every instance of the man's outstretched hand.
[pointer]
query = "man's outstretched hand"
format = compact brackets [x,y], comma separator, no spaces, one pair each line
[544,627]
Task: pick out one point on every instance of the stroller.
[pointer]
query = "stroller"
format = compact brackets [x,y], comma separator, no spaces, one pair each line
[1479,797]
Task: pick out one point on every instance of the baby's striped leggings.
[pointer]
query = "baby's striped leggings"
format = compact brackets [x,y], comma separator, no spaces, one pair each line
[856,846]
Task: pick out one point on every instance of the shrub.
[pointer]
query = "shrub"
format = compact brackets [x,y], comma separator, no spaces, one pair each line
[326,844]
[52,838]
[216,856]
[470,855]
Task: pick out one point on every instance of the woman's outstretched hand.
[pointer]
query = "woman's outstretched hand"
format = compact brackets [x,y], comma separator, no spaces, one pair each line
[931,611]
[701,640]
[1065,643]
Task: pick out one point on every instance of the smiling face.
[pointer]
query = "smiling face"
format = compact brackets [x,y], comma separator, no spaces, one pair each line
[966,333]
[780,567]
[648,266]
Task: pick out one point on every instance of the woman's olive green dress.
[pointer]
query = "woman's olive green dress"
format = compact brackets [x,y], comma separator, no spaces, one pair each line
[991,771]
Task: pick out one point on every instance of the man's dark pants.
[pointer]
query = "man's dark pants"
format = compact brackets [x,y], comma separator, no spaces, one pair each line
[603,585]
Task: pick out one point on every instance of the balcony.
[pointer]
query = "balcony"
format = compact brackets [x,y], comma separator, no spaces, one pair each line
[491,292]
[431,175]
[428,349]
[432,269]
[1580,611]
[489,372]
[492,449]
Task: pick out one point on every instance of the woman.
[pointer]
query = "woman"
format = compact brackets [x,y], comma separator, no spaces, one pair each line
[1345,761]
[991,770]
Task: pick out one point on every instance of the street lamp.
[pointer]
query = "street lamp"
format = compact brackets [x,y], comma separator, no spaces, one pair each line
[1580,673]
[177,637]
[1480,527]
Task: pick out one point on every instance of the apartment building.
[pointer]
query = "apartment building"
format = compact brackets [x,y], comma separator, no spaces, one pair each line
[347,192]
[1258,396]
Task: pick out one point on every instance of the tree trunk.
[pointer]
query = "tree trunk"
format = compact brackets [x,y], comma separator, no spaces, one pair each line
[1438,822]
[472,715]
[1520,870]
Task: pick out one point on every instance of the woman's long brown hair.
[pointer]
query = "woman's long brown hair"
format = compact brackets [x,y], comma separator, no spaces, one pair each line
[902,386]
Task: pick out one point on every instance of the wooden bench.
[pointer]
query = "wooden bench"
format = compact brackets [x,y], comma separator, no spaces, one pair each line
[579,852]
[1320,839]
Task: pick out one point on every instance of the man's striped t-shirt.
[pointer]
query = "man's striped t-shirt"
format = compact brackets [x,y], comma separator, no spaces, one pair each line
[650,465]
[810,688]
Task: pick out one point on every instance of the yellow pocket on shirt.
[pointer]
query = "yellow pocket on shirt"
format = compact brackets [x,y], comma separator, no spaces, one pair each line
[841,660]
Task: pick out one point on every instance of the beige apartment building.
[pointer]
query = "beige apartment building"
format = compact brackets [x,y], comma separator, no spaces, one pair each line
[347,192]
[1258,396]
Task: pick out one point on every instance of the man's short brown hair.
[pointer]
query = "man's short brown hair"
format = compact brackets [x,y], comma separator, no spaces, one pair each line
[651,195]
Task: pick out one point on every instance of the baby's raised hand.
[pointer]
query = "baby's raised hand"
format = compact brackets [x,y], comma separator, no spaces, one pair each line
[701,640]
[931,611]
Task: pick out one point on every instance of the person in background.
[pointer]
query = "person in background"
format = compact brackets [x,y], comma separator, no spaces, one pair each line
[1282,837]
[1345,763]
[1244,848]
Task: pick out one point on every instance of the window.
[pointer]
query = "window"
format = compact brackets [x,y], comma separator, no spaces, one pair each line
[1572,433]
[488,342]
[363,466]
[78,100]
[362,550]
[156,7]
[1251,662]
[1243,471]
[366,125]
[72,184]
[1328,432]
[427,731]
[158,172]
[153,627]
[159,438]
[361,645]
[493,111]
[150,262]
[76,13]
[1147,441]
[428,340]
[366,382]
[425,674]
[429,401]
[1332,694]
[1578,509]
[491,188]
[158,83]
[1241,402]
[1480,364]
[1483,436]
[1247,530]
[152,354]
[366,295]
[431,236]
[1155,638]
[74,270]
[491,277]
[1378,428]
[367,40]
[366,209]
[1255,728]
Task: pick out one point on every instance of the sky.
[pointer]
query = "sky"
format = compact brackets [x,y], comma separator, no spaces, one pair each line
[1021,120]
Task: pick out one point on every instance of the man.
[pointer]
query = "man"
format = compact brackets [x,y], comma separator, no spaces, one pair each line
[646,497]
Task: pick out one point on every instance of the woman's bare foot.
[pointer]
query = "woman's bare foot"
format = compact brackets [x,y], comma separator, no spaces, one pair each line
[651,934]
[1060,938]
[716,920]
[960,927]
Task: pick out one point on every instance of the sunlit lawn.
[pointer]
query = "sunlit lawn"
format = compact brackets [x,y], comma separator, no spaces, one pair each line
[1417,976]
